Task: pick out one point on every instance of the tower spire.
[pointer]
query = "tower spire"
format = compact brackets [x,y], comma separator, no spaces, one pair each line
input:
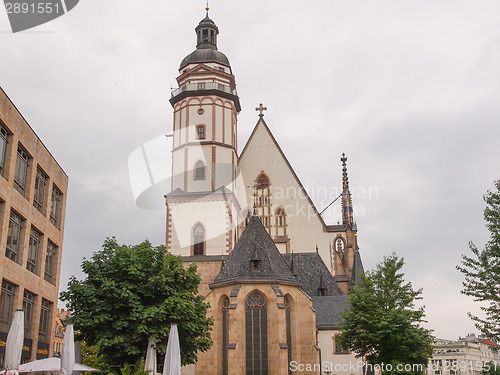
[347,211]
[207,8]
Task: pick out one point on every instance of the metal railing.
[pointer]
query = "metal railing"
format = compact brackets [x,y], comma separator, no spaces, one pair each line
[204,86]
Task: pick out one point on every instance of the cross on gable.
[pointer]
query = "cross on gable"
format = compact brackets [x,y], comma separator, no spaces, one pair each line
[254,188]
[261,109]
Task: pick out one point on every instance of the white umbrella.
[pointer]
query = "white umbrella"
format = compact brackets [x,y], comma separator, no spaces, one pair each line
[172,365]
[150,365]
[68,351]
[15,338]
[52,364]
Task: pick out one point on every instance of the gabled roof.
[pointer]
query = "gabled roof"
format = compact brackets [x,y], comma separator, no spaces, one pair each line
[255,246]
[312,273]
[329,310]
[263,123]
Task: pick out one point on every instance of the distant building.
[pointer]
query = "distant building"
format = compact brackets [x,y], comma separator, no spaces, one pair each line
[59,331]
[465,356]
[33,190]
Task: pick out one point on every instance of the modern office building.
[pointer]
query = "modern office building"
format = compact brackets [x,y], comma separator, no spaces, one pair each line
[33,190]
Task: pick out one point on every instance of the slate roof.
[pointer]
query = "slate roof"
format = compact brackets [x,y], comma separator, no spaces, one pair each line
[329,310]
[255,244]
[311,271]
[357,269]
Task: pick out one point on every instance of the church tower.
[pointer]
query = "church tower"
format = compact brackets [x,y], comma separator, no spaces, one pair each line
[202,209]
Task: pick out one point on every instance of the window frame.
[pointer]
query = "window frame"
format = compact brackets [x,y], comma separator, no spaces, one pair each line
[50,273]
[34,250]
[45,316]
[28,307]
[199,166]
[256,333]
[21,177]
[4,136]
[56,206]
[39,196]
[14,250]
[201,132]
[6,318]
[199,246]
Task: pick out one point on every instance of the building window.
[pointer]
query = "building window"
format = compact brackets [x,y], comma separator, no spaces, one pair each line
[263,200]
[225,336]
[288,318]
[200,132]
[45,312]
[6,305]
[201,86]
[256,335]
[50,261]
[339,349]
[14,237]
[21,173]
[28,305]
[199,171]
[34,251]
[3,149]
[40,188]
[280,221]
[55,208]
[221,87]
[198,240]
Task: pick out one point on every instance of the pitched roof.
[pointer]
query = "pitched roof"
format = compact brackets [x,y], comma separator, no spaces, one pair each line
[329,310]
[311,272]
[357,269]
[255,246]
[303,190]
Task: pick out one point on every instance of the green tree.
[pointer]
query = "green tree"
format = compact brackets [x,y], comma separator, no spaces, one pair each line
[482,270]
[133,293]
[382,323]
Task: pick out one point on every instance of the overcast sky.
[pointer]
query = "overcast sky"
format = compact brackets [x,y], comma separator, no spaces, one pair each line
[409,90]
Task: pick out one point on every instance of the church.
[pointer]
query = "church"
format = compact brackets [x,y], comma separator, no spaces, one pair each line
[275,274]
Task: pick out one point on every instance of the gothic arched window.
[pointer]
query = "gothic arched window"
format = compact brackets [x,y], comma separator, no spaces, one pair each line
[288,318]
[199,171]
[225,335]
[263,200]
[280,221]
[256,335]
[198,240]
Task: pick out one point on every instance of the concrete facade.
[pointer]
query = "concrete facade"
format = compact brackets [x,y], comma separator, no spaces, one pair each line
[33,190]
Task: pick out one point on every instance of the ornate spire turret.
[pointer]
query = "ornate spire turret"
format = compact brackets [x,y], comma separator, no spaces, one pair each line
[347,211]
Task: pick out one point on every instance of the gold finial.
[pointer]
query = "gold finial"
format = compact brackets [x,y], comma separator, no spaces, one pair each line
[207,8]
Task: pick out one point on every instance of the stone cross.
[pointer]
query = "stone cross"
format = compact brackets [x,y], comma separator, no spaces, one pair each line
[261,109]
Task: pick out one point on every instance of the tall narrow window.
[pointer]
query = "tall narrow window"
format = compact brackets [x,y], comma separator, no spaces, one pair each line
[28,305]
[288,318]
[34,251]
[200,131]
[198,240]
[256,335]
[280,222]
[55,208]
[40,187]
[263,200]
[225,335]
[21,173]
[45,312]
[50,261]
[3,149]
[14,237]
[199,171]
[6,305]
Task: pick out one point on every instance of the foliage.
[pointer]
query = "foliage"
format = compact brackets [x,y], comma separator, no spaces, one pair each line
[490,368]
[382,323]
[136,369]
[92,358]
[482,270]
[133,293]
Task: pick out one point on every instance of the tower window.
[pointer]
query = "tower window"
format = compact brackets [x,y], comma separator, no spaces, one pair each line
[198,240]
[201,86]
[288,316]
[205,35]
[200,131]
[199,171]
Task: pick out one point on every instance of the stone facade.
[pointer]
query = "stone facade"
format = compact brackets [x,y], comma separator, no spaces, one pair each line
[33,190]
